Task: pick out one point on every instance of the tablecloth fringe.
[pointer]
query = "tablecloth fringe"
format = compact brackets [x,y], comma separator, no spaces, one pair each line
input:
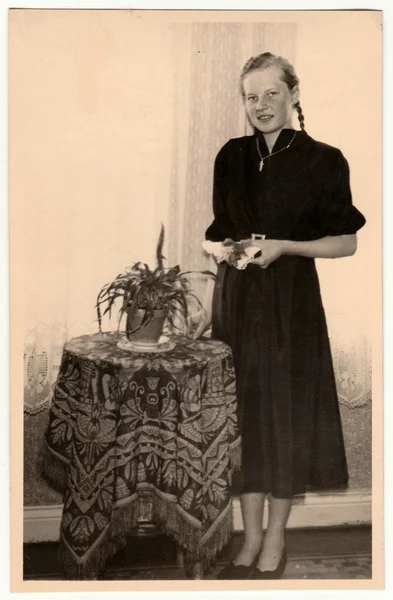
[91,567]
[52,468]
[167,517]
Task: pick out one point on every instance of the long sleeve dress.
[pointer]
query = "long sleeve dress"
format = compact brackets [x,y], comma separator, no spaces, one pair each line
[273,318]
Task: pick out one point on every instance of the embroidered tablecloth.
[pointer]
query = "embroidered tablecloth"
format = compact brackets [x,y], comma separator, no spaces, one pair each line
[127,429]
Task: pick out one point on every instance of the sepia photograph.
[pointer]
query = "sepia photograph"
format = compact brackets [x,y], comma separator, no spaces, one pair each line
[196,299]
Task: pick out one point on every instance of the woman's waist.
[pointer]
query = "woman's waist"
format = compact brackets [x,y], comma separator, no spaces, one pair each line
[283,262]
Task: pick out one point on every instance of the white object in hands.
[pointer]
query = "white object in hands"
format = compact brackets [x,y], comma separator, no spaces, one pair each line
[217,249]
[223,252]
[249,254]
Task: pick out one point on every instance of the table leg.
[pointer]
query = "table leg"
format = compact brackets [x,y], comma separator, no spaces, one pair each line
[180,558]
[197,570]
[194,570]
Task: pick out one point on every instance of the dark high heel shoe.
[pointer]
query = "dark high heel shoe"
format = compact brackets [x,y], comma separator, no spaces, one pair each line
[232,571]
[276,574]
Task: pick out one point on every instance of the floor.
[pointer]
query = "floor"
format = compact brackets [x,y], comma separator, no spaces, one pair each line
[325,553]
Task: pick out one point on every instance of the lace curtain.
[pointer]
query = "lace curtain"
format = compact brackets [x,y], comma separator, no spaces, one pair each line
[42,356]
[200,111]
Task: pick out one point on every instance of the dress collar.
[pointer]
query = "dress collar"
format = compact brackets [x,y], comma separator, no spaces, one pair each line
[284,138]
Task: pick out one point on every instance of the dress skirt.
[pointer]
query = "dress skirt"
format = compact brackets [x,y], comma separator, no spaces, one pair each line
[288,409]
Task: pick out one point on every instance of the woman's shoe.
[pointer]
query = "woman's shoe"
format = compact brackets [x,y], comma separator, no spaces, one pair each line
[276,574]
[232,571]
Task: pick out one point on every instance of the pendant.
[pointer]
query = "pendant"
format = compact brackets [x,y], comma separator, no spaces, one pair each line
[261,165]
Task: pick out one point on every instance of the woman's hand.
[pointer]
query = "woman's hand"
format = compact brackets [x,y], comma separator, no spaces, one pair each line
[271,250]
[198,323]
[328,247]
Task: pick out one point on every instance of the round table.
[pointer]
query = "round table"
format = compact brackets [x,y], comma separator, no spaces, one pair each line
[136,431]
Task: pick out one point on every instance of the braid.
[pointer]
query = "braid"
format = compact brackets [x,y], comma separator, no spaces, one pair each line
[300,115]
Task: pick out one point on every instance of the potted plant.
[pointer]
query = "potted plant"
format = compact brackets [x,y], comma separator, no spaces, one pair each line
[149,297]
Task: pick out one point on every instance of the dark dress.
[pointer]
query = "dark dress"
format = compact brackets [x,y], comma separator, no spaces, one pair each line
[273,318]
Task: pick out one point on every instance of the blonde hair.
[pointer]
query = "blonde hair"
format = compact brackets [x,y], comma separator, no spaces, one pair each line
[267,59]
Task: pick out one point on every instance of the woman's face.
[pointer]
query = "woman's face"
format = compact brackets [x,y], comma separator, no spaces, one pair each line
[268,100]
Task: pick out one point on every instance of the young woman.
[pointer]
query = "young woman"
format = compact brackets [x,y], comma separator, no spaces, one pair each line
[282,184]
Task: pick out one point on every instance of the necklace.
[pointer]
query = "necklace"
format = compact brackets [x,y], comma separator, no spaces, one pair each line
[272,153]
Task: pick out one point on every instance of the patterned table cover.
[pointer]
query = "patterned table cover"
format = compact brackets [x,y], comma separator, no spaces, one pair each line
[130,429]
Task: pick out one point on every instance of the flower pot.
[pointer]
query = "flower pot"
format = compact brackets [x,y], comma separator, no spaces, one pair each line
[148,333]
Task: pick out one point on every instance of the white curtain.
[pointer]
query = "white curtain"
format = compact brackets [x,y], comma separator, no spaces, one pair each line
[109,144]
